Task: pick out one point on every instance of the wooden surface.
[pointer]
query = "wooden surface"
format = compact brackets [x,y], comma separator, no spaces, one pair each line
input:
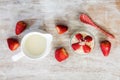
[44,14]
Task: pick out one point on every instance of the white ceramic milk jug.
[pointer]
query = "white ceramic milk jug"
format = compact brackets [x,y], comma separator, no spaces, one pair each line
[34,45]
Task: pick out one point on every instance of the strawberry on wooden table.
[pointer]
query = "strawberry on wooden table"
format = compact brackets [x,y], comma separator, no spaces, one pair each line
[61,29]
[13,43]
[105,47]
[76,46]
[86,48]
[20,27]
[61,54]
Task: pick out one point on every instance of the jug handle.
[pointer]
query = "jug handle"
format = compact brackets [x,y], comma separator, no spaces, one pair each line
[17,56]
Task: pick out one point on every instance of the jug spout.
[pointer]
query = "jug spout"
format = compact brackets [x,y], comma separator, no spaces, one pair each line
[49,37]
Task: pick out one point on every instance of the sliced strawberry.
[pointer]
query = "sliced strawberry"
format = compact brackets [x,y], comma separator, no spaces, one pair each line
[61,54]
[86,48]
[105,47]
[20,27]
[61,29]
[88,38]
[13,44]
[76,46]
[79,36]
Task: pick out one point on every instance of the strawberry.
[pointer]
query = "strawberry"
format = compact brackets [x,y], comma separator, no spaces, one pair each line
[105,47]
[20,27]
[61,29]
[79,36]
[86,48]
[13,44]
[88,38]
[76,46]
[61,54]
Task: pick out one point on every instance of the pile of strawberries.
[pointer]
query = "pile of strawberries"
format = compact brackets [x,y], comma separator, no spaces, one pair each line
[61,54]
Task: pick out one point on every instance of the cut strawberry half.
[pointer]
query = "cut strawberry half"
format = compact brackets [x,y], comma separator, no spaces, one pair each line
[76,46]
[61,29]
[13,44]
[86,48]
[79,36]
[61,54]
[20,27]
[88,38]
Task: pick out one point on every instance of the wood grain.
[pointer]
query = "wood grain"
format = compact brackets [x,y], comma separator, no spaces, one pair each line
[44,14]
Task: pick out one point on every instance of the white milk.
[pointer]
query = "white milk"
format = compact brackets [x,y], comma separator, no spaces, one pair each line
[34,45]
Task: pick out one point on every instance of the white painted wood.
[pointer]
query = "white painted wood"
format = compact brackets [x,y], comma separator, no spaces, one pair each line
[49,12]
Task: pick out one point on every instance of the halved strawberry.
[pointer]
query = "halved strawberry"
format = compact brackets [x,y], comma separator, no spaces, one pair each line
[86,48]
[76,46]
[61,29]
[61,54]
[79,36]
[20,27]
[88,38]
[105,47]
[13,44]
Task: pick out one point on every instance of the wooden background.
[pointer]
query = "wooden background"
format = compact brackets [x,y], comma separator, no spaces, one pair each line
[44,14]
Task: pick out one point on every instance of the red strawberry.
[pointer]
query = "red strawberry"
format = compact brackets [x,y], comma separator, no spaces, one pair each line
[79,36]
[105,47]
[61,29]
[13,44]
[86,48]
[88,38]
[76,46]
[61,54]
[20,27]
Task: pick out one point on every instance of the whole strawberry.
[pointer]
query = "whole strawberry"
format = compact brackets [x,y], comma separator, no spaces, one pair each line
[105,47]
[20,27]
[13,44]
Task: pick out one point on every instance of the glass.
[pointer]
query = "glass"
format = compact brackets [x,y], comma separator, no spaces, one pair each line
[73,40]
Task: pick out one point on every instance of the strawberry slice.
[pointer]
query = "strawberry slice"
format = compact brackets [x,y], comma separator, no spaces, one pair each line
[76,46]
[88,38]
[79,36]
[61,54]
[13,44]
[105,47]
[86,48]
[20,27]
[61,29]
